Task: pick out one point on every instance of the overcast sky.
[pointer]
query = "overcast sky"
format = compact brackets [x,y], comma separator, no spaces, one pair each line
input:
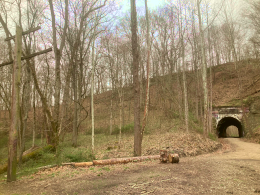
[152,4]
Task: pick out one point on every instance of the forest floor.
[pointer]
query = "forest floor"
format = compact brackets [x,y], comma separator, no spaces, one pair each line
[233,169]
[225,166]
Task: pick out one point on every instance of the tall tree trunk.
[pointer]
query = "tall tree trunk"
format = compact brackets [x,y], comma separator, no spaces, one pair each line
[182,51]
[25,110]
[179,90]
[75,118]
[15,114]
[136,87]
[204,72]
[119,88]
[65,102]
[120,114]
[147,68]
[92,96]
[34,118]
[210,76]
[111,114]
[58,54]
[186,107]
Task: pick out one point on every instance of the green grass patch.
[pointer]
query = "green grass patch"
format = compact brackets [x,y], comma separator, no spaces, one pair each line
[193,118]
[3,139]
[77,155]
[172,114]
[3,146]
[31,165]
[98,131]
[105,169]
[248,101]
[195,124]
[126,129]
[33,156]
[257,128]
[212,136]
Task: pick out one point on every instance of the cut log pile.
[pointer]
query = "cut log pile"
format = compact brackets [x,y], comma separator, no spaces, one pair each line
[167,156]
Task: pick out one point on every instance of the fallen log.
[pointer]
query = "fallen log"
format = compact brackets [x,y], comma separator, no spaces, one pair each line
[166,156]
[163,156]
[83,164]
[173,158]
[124,160]
[78,164]
[46,167]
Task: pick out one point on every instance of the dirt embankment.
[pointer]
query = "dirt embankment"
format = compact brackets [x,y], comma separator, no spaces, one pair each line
[185,144]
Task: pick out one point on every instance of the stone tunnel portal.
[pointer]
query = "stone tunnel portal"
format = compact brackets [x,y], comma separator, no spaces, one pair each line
[225,122]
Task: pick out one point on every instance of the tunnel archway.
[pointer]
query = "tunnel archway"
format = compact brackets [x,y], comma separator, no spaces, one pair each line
[225,122]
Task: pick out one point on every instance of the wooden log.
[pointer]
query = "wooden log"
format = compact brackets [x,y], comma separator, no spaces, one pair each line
[78,164]
[46,167]
[173,158]
[30,150]
[83,164]
[163,156]
[65,164]
[124,160]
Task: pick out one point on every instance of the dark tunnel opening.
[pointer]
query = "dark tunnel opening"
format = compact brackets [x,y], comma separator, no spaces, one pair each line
[225,123]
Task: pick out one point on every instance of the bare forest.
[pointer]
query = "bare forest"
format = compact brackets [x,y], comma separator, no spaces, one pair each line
[85,79]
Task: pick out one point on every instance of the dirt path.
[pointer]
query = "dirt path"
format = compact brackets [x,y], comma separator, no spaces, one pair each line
[234,171]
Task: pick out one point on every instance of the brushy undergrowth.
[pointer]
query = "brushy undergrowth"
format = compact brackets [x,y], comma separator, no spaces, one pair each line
[195,124]
[213,137]
[78,155]
[127,129]
[3,146]
[35,155]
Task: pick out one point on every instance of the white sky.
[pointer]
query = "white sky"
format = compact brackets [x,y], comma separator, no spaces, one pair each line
[152,4]
[235,6]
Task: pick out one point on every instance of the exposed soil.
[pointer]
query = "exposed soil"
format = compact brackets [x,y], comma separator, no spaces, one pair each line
[233,170]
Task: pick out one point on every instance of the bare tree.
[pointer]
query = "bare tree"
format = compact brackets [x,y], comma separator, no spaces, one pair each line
[136,87]
[92,95]
[58,54]
[147,67]
[182,52]
[204,71]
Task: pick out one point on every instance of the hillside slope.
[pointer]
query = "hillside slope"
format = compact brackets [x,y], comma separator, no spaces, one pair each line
[226,83]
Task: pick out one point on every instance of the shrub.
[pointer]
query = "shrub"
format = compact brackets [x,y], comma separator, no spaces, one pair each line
[212,136]
[172,114]
[127,129]
[80,156]
[193,118]
[100,130]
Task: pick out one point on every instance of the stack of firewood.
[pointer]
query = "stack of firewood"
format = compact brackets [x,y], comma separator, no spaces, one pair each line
[167,156]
